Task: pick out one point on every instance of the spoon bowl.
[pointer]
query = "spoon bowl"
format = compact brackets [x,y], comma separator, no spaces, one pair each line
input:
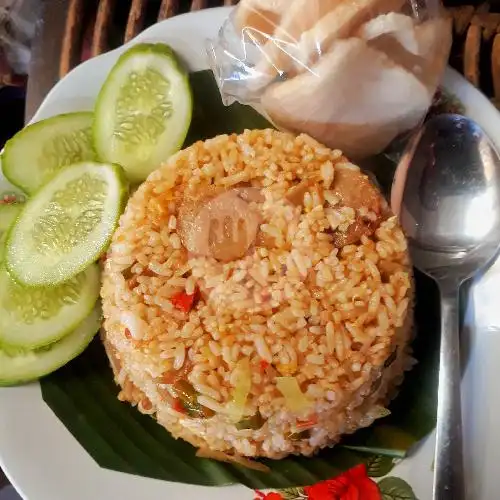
[448,201]
[446,192]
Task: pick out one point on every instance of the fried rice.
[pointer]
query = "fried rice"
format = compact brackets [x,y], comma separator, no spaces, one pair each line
[283,343]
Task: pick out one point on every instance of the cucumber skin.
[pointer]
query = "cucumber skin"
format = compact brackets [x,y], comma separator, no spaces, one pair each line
[40,345]
[8,207]
[94,320]
[7,166]
[142,48]
[5,228]
[124,193]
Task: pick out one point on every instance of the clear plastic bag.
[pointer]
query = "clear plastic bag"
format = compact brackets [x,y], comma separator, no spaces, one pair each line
[354,74]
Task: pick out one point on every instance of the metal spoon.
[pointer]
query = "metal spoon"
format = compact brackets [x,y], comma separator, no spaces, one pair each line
[446,192]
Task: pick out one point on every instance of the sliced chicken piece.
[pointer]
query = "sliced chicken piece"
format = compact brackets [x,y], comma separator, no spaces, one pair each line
[296,194]
[362,100]
[250,194]
[188,211]
[355,190]
[354,232]
[265,240]
[223,227]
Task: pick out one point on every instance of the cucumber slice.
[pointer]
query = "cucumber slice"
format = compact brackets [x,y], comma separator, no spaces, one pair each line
[35,317]
[143,110]
[67,224]
[17,367]
[8,214]
[35,154]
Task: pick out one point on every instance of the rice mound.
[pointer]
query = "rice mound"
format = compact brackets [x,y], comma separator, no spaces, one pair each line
[321,299]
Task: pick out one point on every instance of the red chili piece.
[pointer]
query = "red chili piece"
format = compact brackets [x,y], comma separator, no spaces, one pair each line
[183,301]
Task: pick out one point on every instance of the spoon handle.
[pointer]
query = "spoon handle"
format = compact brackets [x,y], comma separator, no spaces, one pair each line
[449,469]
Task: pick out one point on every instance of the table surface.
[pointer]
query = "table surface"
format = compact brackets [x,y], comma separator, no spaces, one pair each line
[45,54]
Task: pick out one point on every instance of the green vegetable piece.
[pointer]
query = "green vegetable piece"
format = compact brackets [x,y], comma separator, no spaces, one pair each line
[18,366]
[35,317]
[8,214]
[39,151]
[189,398]
[254,422]
[143,110]
[66,225]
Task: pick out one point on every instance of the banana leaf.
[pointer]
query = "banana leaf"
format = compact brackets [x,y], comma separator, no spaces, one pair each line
[84,396]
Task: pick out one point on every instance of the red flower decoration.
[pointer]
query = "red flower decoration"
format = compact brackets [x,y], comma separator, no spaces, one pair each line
[319,491]
[269,496]
[351,485]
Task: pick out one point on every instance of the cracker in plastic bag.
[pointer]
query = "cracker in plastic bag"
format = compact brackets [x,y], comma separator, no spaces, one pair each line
[354,74]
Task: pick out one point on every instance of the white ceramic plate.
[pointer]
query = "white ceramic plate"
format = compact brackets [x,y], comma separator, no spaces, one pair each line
[45,462]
